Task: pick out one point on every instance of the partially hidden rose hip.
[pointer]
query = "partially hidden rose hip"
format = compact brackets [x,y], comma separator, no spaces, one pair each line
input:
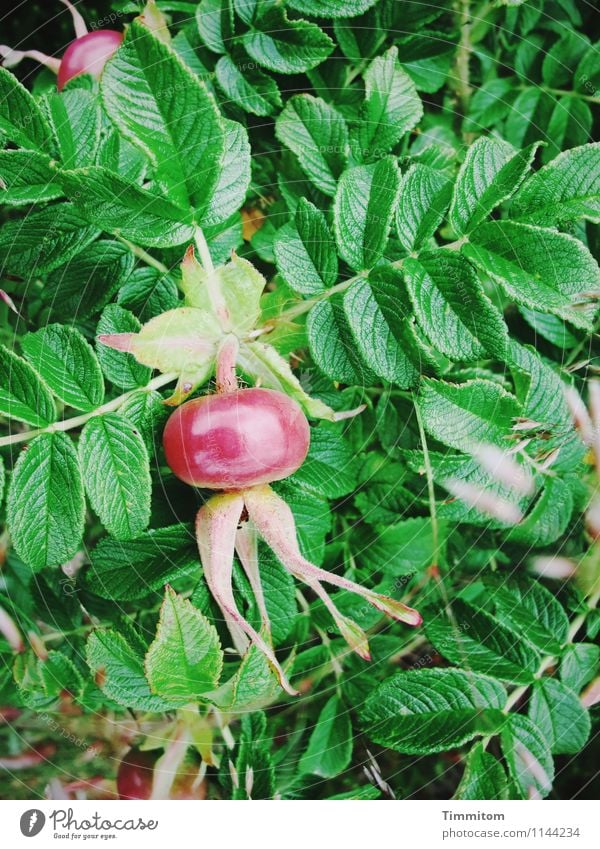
[87,54]
[238,442]
[136,774]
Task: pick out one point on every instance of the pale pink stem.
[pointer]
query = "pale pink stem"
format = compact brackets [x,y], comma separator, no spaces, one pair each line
[79,24]
[10,632]
[275,523]
[216,526]
[167,766]
[246,546]
[11,58]
[226,362]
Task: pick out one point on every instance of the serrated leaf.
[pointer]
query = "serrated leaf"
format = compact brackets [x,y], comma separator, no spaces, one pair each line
[250,88]
[122,157]
[45,502]
[569,125]
[316,132]
[283,45]
[67,363]
[490,174]
[528,757]
[185,659]
[540,268]
[85,284]
[478,641]
[23,394]
[380,323]
[135,568]
[215,22]
[403,548]
[119,672]
[463,415]
[484,777]
[532,609]
[392,107]
[452,307]
[426,711]
[27,176]
[557,711]
[43,240]
[364,205]
[182,132]
[233,176]
[148,292]
[423,200]
[21,119]
[116,474]
[120,368]
[114,204]
[331,343]
[566,189]
[549,516]
[329,748]
[305,251]
[76,121]
[329,467]
[331,8]
[579,664]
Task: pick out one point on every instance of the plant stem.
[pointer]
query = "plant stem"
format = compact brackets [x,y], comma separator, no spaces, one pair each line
[203,251]
[429,476]
[463,56]
[559,92]
[140,253]
[78,421]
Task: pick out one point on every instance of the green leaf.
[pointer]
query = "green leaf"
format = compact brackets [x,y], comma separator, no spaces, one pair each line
[331,8]
[330,746]
[427,57]
[2,479]
[452,307]
[145,410]
[161,106]
[317,134]
[67,363]
[251,688]
[528,607]
[27,176]
[45,502]
[569,125]
[557,711]
[392,107]
[364,205]
[331,343]
[122,157]
[430,710]
[490,104]
[404,548]
[23,394]
[329,468]
[43,240]
[566,189]
[283,45]
[148,292]
[89,280]
[59,674]
[250,88]
[185,660]
[21,119]
[528,757]
[424,197]
[380,322]
[463,415]
[120,368]
[76,120]
[484,777]
[579,665]
[118,206]
[474,639]
[490,174]
[215,22]
[135,568]
[233,176]
[119,672]
[549,516]
[542,269]
[116,474]
[305,251]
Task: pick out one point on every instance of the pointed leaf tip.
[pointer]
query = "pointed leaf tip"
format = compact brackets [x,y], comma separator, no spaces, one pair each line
[118,341]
